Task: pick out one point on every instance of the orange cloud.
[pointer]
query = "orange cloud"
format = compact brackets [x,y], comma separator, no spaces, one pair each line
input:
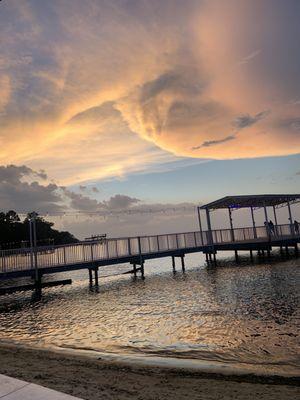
[101,89]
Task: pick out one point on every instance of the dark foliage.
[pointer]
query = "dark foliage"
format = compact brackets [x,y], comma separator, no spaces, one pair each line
[15,234]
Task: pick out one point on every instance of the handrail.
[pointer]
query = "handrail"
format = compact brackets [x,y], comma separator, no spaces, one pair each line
[136,246]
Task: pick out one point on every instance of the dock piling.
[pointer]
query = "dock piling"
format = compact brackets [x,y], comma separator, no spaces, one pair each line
[182,263]
[90,277]
[173,264]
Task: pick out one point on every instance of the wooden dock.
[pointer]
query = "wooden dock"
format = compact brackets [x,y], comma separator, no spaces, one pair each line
[92,255]
[136,250]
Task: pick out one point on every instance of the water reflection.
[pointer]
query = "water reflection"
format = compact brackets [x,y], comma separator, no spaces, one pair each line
[238,314]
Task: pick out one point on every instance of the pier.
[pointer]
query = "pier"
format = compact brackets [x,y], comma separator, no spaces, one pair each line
[92,255]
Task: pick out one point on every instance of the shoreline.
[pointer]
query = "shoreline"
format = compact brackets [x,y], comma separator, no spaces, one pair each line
[88,374]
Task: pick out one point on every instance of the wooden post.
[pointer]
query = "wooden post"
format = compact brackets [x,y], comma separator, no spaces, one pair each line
[142,270]
[236,255]
[215,258]
[182,263]
[96,277]
[173,263]
[251,255]
[134,270]
[90,277]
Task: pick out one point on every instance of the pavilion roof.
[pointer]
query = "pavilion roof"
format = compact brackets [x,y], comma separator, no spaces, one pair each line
[255,201]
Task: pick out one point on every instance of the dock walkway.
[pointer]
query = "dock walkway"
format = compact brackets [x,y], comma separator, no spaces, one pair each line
[136,250]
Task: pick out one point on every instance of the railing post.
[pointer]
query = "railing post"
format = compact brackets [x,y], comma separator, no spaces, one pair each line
[157,239]
[92,253]
[3,261]
[107,251]
[64,255]
[177,246]
[140,249]
[129,247]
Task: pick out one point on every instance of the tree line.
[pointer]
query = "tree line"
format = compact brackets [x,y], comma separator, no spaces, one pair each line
[14,233]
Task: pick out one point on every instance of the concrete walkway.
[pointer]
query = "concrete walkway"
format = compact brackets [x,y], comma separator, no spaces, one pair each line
[14,389]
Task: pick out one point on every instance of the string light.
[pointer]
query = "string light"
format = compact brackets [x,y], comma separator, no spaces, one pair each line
[104,214]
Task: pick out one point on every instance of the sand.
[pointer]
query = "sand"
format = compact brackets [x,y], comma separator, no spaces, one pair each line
[96,378]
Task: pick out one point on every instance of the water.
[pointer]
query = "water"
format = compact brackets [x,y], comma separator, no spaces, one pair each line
[238,315]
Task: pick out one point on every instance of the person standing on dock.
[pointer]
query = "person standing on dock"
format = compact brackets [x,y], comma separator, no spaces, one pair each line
[271,227]
[296,226]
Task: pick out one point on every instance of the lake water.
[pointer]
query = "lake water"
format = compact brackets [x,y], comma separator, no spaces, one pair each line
[246,314]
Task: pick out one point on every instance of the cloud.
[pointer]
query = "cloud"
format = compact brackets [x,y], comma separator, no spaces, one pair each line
[19,194]
[246,120]
[120,201]
[249,57]
[20,191]
[292,124]
[215,142]
[100,89]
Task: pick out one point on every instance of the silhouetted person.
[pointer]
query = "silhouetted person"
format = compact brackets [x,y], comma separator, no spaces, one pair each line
[271,227]
[296,225]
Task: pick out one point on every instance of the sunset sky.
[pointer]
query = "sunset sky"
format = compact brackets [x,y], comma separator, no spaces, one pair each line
[109,104]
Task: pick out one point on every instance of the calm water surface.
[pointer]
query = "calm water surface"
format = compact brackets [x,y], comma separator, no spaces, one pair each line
[245,314]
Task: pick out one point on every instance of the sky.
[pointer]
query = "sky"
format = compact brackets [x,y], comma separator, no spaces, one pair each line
[124,104]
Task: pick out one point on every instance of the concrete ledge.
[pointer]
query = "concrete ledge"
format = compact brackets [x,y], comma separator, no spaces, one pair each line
[14,389]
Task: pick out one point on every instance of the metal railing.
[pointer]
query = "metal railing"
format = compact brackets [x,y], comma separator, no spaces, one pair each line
[117,248]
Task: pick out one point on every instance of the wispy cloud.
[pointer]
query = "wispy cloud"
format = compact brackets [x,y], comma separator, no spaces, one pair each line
[245,120]
[209,143]
[249,57]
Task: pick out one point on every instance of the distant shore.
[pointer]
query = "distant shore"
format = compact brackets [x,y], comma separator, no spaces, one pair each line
[95,378]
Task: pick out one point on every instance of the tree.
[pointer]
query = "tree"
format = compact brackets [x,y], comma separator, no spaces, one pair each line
[13,231]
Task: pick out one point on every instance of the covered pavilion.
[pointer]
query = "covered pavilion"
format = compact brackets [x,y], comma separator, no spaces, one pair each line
[252,202]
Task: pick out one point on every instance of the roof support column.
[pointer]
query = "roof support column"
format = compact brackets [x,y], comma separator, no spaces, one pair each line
[210,238]
[200,224]
[253,223]
[231,224]
[290,218]
[275,219]
[266,221]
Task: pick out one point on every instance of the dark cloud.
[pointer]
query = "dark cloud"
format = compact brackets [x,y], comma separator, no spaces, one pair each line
[81,202]
[245,120]
[209,143]
[291,124]
[120,201]
[19,194]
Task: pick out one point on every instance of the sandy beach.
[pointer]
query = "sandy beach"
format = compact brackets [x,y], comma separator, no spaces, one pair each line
[101,379]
